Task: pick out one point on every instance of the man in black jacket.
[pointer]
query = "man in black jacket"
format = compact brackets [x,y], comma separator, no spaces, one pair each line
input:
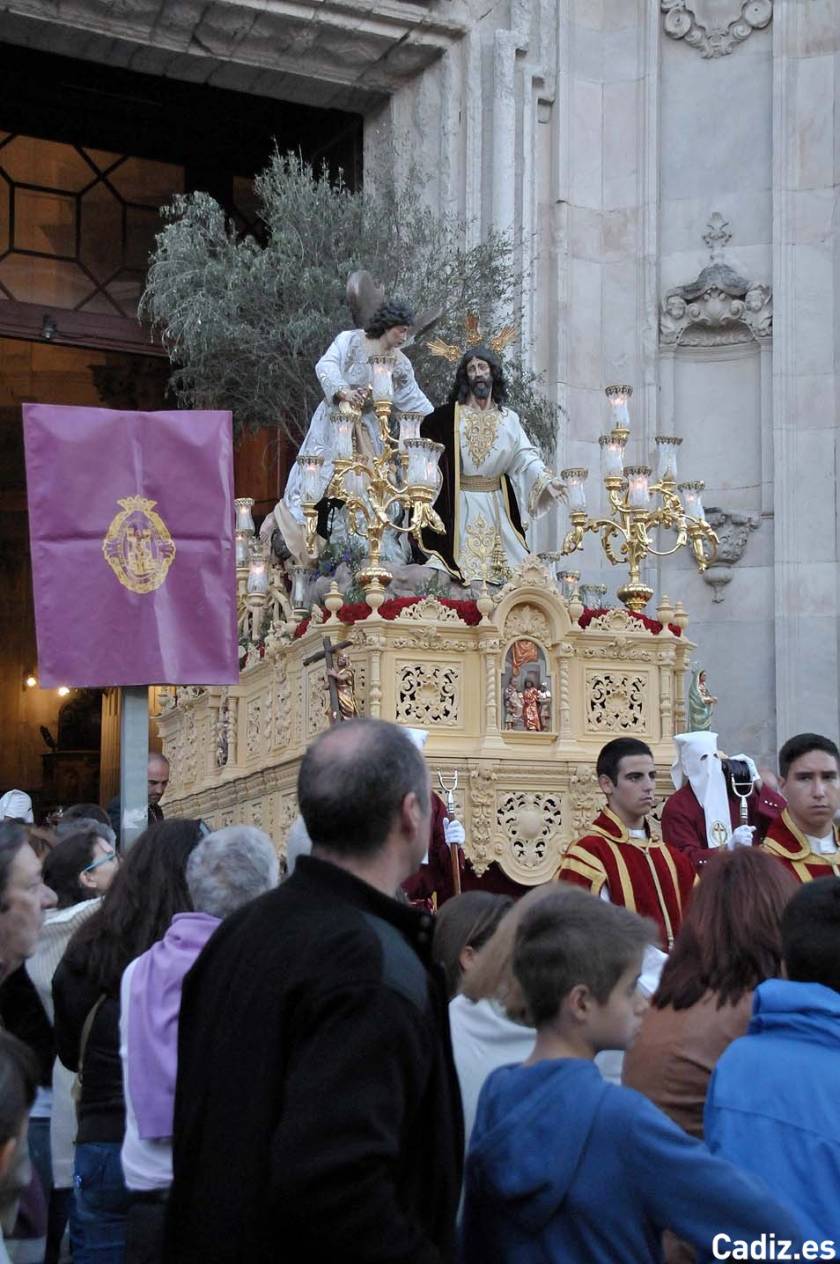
[317,1113]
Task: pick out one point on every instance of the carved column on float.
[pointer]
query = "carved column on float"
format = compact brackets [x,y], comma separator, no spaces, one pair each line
[666,707]
[492,674]
[564,706]
[375,645]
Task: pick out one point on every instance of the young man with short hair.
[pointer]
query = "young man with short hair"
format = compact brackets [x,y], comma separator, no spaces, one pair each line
[773,1105]
[619,858]
[804,838]
[564,1166]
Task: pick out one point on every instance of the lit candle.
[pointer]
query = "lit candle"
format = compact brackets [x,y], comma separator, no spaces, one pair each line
[257,569]
[356,484]
[244,520]
[342,435]
[619,397]
[575,489]
[692,499]
[311,467]
[409,426]
[419,457]
[569,582]
[381,377]
[666,448]
[638,491]
[241,549]
[612,455]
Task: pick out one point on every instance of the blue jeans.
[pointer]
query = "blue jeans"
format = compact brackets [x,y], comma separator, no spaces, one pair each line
[99,1209]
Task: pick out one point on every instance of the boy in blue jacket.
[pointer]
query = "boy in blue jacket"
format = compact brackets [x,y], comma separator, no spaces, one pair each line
[774,1100]
[562,1165]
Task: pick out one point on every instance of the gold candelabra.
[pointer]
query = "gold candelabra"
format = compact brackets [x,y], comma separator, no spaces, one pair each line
[404,473]
[626,534]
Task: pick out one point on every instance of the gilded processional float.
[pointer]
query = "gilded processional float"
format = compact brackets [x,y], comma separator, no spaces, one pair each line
[519,675]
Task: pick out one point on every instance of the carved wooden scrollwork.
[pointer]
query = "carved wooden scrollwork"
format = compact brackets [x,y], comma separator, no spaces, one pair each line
[616,702]
[428,694]
[529,825]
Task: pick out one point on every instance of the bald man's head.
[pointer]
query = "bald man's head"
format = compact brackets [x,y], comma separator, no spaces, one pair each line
[158,775]
[353,781]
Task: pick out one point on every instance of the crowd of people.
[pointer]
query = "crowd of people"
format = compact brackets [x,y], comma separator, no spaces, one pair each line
[636,1062]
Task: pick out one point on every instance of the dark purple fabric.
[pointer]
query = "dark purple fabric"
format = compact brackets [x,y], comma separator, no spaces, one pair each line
[93,630]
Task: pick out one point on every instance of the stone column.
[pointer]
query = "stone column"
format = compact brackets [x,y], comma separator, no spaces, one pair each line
[806,361]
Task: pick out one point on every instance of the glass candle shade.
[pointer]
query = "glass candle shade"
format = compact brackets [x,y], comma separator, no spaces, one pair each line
[666,453]
[434,475]
[612,455]
[575,481]
[409,426]
[381,377]
[638,486]
[311,476]
[569,582]
[356,484]
[242,552]
[619,398]
[244,520]
[423,458]
[257,569]
[692,499]
[593,595]
[342,433]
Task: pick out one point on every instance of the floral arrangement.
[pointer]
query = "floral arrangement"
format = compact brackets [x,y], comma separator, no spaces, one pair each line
[652,625]
[353,612]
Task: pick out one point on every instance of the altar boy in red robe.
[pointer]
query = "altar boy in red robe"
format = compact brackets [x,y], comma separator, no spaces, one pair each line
[805,838]
[619,859]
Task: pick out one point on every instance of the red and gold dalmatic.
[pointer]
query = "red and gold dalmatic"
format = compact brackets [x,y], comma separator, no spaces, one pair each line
[787,843]
[644,874]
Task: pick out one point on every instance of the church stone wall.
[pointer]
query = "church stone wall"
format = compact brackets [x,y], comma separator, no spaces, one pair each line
[608,134]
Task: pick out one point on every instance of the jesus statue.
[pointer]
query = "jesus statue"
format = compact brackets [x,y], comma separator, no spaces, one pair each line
[493,475]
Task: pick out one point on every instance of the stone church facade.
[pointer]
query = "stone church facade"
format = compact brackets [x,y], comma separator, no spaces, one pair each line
[670,171]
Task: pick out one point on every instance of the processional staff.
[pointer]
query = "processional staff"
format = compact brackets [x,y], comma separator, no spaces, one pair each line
[448,784]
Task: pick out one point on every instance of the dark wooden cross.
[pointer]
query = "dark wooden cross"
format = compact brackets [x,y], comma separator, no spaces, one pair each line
[327,655]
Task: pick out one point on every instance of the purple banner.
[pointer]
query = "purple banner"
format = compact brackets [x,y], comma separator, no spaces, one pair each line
[131,530]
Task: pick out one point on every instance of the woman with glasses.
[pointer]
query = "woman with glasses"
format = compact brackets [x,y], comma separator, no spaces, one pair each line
[146,892]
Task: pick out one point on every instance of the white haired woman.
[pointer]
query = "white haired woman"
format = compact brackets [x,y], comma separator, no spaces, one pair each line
[226,870]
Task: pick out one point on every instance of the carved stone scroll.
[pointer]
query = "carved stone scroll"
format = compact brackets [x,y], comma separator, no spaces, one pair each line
[715,27]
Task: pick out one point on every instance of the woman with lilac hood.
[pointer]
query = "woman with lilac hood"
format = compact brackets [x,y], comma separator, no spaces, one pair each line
[225,871]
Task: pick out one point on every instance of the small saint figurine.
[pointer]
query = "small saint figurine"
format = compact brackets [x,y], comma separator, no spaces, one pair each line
[700,703]
[545,705]
[513,706]
[345,688]
[531,706]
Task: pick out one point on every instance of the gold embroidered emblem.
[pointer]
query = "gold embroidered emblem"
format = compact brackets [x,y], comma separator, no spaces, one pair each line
[483,556]
[480,431]
[137,546]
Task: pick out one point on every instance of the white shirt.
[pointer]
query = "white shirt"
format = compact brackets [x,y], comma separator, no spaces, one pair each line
[821,846]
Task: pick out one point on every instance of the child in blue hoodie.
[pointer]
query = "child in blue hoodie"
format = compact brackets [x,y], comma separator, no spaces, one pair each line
[774,1099]
[564,1167]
